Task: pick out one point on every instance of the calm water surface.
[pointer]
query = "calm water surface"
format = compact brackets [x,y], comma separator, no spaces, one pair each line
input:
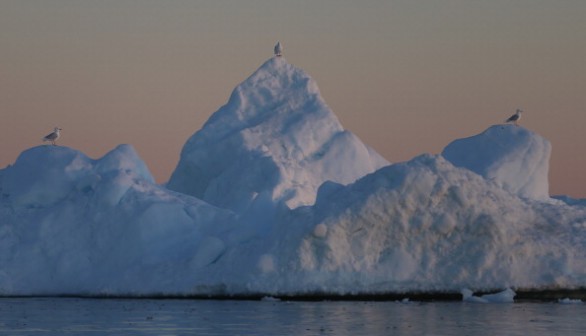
[71,316]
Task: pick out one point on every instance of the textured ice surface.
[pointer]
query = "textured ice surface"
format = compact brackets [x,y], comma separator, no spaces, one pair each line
[272,196]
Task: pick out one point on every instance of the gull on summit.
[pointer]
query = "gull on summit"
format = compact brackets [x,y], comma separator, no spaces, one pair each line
[515,117]
[278,49]
[53,136]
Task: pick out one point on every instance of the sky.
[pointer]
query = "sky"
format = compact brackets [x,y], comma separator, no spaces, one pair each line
[407,77]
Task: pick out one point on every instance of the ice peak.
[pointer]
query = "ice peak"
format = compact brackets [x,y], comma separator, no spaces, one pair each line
[124,158]
[276,89]
[514,157]
[278,74]
[275,135]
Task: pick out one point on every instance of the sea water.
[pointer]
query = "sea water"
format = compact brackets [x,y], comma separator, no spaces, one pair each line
[82,316]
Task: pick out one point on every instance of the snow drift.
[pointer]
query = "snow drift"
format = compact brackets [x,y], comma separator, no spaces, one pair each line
[275,136]
[273,197]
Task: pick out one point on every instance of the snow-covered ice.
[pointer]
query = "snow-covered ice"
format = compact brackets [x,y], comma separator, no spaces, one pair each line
[275,138]
[274,197]
[72,225]
[511,156]
[422,225]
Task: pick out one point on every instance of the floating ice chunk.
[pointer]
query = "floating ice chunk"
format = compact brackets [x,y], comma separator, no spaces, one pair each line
[570,301]
[506,296]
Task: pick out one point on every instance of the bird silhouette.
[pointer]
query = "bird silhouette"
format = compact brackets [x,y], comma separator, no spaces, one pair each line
[53,136]
[278,49]
[515,117]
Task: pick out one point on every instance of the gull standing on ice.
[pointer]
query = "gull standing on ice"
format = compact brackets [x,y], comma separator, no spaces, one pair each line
[52,136]
[278,49]
[515,117]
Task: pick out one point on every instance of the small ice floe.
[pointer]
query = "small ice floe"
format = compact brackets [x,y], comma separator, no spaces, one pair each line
[570,301]
[270,299]
[506,296]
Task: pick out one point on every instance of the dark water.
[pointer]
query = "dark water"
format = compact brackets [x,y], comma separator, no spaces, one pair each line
[71,316]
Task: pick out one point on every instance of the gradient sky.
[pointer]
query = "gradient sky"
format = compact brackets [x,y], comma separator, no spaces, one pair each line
[406,76]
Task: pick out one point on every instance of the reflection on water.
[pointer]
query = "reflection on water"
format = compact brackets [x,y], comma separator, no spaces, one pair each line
[61,316]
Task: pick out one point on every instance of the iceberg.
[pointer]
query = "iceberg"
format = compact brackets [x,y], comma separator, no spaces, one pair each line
[273,197]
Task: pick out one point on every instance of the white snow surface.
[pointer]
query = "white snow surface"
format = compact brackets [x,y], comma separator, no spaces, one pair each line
[513,157]
[286,203]
[275,137]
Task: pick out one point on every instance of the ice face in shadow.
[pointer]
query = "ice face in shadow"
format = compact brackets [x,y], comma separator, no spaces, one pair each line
[275,136]
[513,157]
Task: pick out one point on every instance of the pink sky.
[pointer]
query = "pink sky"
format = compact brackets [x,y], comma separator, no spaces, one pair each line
[407,77]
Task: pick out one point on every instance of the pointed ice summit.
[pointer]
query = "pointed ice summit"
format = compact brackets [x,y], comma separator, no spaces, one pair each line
[276,137]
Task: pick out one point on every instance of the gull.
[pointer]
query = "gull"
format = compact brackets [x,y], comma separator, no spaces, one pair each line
[278,49]
[52,136]
[515,117]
